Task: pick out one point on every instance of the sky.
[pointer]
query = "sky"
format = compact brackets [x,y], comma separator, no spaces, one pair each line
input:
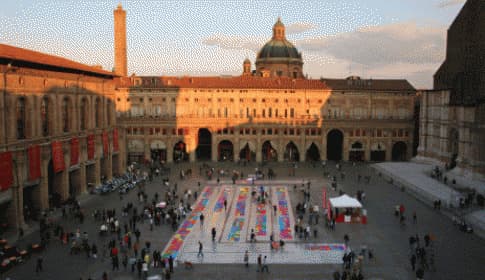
[388,39]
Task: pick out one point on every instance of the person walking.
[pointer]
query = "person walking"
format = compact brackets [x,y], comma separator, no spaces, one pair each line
[170,263]
[413,261]
[415,218]
[265,265]
[201,247]
[225,204]
[246,259]
[213,232]
[201,220]
[260,263]
[38,267]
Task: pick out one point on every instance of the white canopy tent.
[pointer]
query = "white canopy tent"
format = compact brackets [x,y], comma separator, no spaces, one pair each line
[345,201]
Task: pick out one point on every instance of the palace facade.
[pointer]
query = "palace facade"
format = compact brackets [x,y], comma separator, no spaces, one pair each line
[58,132]
[271,113]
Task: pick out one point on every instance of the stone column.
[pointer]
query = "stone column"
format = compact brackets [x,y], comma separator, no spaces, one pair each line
[367,148]
[214,149]
[42,195]
[82,178]
[64,187]
[323,151]
[170,152]
[108,161]
[17,208]
[97,164]
[389,150]
[345,148]
[259,152]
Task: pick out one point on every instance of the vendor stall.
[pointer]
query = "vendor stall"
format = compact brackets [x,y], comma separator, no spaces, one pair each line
[346,209]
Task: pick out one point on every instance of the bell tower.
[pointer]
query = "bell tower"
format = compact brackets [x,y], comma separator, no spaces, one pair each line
[121,67]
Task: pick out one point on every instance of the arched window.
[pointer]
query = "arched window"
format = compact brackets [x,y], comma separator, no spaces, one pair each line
[65,114]
[97,114]
[84,114]
[44,116]
[20,113]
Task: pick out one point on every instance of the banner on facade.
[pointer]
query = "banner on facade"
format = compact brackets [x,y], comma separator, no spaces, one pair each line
[91,147]
[34,162]
[6,174]
[58,157]
[116,146]
[74,151]
[105,144]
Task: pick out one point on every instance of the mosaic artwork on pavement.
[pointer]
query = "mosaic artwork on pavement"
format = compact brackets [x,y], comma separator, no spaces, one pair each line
[235,233]
[220,201]
[325,247]
[283,215]
[173,247]
[233,225]
[241,202]
[260,228]
[238,223]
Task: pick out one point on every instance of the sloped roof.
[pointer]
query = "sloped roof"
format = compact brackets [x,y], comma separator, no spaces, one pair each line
[369,84]
[15,53]
[239,82]
[256,82]
[345,201]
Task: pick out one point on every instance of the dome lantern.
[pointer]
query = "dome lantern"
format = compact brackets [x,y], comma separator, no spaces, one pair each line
[279,30]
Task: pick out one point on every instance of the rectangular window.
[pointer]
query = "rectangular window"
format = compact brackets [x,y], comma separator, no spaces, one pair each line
[247,131]
[180,131]
[264,113]
[292,113]
[357,133]
[270,131]
[254,131]
[225,112]
[269,112]
[276,112]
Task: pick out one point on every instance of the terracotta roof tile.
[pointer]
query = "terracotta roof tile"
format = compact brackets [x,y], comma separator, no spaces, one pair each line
[252,82]
[16,53]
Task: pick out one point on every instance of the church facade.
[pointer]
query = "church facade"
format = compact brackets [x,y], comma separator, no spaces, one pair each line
[452,117]
[272,113]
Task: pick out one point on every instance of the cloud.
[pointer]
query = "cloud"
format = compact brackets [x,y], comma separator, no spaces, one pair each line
[381,45]
[234,42]
[300,27]
[447,3]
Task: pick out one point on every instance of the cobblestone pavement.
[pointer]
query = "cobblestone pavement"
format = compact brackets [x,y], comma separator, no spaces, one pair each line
[457,255]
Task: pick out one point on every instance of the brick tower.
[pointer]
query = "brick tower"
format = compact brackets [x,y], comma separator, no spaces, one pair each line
[120,41]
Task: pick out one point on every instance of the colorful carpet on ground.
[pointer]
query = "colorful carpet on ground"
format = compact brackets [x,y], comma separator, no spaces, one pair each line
[260,228]
[238,223]
[284,217]
[220,201]
[175,244]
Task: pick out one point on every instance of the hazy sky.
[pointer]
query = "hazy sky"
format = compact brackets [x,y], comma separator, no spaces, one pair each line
[369,38]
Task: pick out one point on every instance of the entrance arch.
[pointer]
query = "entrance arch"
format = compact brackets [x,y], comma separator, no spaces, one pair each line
[291,152]
[269,153]
[204,144]
[158,151]
[378,152]
[225,151]
[312,153]
[180,152]
[335,140]
[247,154]
[356,152]
[399,151]
[54,186]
